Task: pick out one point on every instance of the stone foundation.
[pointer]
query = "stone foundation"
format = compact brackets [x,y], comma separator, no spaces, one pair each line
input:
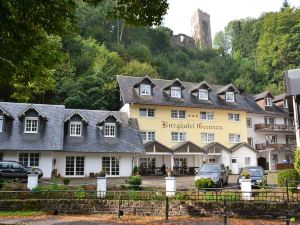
[152,207]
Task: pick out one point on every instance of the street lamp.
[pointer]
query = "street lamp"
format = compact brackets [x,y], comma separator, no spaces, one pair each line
[293,89]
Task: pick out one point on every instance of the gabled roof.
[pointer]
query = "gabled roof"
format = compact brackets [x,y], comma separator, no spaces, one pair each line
[278,98]
[262,95]
[226,88]
[168,85]
[129,95]
[76,112]
[186,143]
[239,145]
[155,142]
[5,112]
[198,86]
[110,114]
[142,79]
[29,107]
[214,144]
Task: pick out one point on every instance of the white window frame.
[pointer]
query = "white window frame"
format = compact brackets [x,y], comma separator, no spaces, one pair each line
[268,102]
[147,134]
[251,141]
[246,160]
[75,123]
[235,117]
[1,123]
[116,169]
[207,137]
[250,122]
[111,127]
[75,166]
[229,96]
[209,116]
[178,114]
[176,92]
[37,125]
[147,163]
[285,103]
[178,136]
[145,89]
[31,159]
[203,94]
[234,138]
[147,112]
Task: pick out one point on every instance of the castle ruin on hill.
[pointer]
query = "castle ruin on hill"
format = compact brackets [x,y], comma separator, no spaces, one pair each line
[201,33]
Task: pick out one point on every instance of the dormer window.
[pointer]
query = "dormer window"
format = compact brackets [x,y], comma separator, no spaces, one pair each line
[145,89]
[268,102]
[175,92]
[31,125]
[75,128]
[229,97]
[109,130]
[285,103]
[203,94]
[1,124]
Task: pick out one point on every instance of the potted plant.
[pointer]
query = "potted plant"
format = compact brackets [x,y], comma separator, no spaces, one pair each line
[170,173]
[245,175]
[102,173]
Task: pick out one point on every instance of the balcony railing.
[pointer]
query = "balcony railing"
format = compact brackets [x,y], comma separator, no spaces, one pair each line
[264,146]
[275,127]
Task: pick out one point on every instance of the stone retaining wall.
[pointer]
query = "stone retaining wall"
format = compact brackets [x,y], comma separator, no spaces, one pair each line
[153,207]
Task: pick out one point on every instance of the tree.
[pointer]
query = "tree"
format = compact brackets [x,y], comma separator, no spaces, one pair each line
[138,69]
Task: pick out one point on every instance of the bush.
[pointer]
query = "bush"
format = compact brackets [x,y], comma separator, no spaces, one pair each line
[291,175]
[135,171]
[66,181]
[297,160]
[80,193]
[204,183]
[135,182]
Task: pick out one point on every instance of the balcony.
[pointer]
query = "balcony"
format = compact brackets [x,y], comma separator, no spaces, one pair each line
[261,127]
[284,147]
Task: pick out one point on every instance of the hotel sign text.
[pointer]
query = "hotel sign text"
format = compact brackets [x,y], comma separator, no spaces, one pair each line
[181,126]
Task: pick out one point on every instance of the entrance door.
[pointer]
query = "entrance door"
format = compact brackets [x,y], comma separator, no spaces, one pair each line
[262,161]
[234,166]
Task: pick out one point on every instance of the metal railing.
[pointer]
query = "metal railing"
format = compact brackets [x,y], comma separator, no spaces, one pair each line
[263,146]
[274,127]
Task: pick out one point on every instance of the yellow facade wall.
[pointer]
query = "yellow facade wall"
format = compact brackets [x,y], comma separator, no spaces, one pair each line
[192,125]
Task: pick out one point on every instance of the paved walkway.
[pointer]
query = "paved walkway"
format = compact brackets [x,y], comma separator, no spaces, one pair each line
[110,220]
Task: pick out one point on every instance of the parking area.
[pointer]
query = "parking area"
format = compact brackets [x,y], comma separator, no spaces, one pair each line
[182,182]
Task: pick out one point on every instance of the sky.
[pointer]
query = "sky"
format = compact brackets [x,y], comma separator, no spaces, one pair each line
[221,12]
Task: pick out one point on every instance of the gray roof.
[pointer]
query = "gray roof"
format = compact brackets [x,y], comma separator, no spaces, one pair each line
[262,95]
[281,97]
[128,137]
[129,95]
[53,138]
[274,110]
[239,145]
[13,137]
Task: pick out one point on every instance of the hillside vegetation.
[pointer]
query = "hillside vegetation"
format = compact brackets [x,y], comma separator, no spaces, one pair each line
[81,66]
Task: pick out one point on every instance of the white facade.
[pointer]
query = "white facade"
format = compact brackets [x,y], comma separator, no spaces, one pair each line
[242,157]
[275,143]
[92,162]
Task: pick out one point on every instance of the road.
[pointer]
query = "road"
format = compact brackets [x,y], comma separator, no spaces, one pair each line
[130,220]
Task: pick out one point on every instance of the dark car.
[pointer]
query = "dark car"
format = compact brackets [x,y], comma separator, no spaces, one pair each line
[216,172]
[13,169]
[256,174]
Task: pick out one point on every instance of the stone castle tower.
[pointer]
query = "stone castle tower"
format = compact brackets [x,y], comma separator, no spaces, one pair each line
[201,29]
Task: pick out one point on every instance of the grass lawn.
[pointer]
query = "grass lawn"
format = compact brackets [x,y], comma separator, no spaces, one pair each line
[21,213]
[272,178]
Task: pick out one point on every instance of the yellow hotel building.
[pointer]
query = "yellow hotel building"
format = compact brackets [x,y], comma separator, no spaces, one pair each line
[184,123]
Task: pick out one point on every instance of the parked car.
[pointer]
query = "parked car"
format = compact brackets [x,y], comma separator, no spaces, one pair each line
[257,175]
[13,169]
[216,172]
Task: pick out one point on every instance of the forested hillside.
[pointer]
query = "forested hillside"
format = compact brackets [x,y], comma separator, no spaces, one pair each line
[78,69]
